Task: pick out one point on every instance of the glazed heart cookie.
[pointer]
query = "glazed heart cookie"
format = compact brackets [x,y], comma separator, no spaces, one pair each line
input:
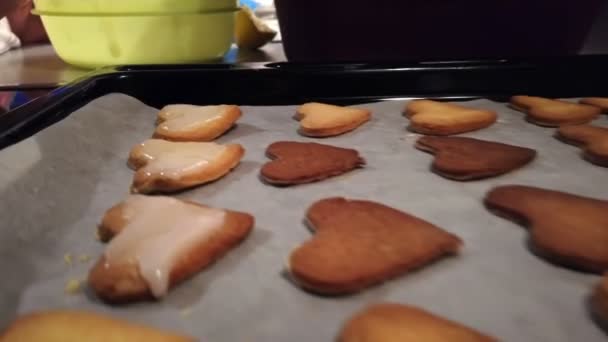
[593,139]
[388,322]
[79,326]
[165,166]
[361,243]
[462,158]
[323,120]
[156,242]
[195,123]
[553,113]
[566,229]
[438,118]
[297,163]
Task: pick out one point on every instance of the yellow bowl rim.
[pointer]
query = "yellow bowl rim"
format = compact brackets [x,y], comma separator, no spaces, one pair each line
[138,14]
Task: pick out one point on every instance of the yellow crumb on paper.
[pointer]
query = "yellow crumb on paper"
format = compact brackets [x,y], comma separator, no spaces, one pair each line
[73,286]
[67,258]
[84,258]
[185,312]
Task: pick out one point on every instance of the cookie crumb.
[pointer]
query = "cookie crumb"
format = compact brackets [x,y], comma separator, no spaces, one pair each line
[97,236]
[84,258]
[73,286]
[68,259]
[185,312]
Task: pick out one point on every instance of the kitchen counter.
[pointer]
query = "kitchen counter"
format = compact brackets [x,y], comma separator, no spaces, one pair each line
[39,67]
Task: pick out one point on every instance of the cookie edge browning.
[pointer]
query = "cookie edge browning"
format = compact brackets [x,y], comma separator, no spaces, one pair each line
[359,163]
[423,146]
[230,115]
[351,329]
[538,247]
[124,283]
[67,318]
[331,131]
[451,247]
[583,144]
[217,169]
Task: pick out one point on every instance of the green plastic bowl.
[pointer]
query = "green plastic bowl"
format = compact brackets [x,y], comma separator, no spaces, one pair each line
[95,41]
[133,6]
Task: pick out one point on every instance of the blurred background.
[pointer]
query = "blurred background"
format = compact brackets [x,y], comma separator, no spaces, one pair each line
[341,30]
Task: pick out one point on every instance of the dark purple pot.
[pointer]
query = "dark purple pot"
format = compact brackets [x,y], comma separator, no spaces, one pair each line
[380,30]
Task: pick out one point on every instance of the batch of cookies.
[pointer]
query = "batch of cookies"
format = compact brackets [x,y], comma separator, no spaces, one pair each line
[157,242]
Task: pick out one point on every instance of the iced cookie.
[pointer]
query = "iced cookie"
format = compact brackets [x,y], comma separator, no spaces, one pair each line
[165,166]
[156,243]
[195,123]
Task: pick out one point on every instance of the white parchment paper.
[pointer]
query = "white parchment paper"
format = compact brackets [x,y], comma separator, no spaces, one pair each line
[55,187]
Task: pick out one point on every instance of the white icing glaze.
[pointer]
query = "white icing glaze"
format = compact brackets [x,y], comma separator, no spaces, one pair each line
[173,159]
[159,229]
[187,117]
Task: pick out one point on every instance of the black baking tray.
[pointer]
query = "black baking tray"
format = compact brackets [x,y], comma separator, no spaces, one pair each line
[294,83]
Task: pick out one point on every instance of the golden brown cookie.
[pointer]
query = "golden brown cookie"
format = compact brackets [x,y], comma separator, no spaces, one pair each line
[297,163]
[601,102]
[566,229]
[361,243]
[599,302]
[461,158]
[183,122]
[553,113]
[389,322]
[323,120]
[593,139]
[79,326]
[165,166]
[157,242]
[438,118]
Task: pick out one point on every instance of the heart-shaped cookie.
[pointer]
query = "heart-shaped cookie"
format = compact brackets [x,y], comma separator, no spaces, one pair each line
[601,102]
[553,113]
[599,303]
[593,139]
[166,166]
[438,118]
[182,122]
[361,243]
[462,158]
[156,242]
[323,120]
[388,322]
[65,325]
[297,163]
[566,229]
